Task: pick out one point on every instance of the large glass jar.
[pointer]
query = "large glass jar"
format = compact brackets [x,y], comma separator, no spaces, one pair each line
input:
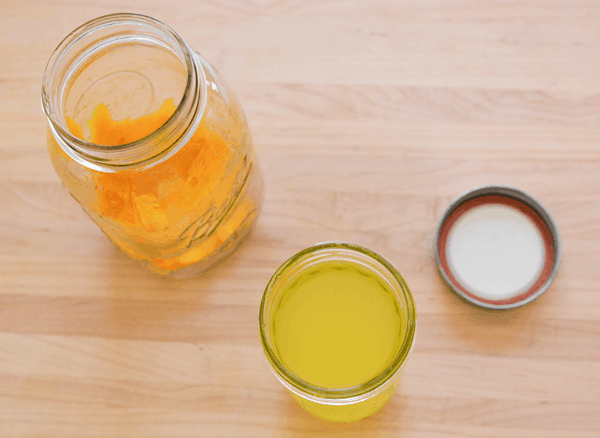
[149,139]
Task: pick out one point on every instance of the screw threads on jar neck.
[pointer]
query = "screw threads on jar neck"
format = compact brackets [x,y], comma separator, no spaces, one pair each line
[131,63]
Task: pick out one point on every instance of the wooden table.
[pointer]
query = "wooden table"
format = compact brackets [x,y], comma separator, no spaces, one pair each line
[368,119]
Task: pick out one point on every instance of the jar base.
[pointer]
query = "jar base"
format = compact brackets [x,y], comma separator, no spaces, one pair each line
[206,264]
[348,413]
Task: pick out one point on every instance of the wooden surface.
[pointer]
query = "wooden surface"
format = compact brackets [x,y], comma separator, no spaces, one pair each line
[368,119]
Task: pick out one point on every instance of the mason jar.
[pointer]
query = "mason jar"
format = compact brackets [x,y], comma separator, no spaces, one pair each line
[150,140]
[337,324]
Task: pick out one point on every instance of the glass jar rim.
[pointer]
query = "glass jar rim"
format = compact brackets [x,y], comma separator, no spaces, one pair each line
[340,395]
[195,89]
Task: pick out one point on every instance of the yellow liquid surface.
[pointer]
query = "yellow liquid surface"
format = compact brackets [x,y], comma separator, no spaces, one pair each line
[338,325]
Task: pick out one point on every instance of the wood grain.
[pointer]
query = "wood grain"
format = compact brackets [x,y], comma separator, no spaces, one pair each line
[368,119]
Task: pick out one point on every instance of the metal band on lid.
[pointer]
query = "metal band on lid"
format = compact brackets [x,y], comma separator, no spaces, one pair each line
[497,247]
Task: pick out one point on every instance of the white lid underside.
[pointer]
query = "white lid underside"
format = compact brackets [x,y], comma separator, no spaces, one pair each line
[495,251]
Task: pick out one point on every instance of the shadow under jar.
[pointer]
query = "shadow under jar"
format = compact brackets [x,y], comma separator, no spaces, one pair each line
[337,324]
[152,143]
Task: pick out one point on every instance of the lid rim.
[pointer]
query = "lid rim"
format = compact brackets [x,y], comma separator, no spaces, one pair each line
[518,196]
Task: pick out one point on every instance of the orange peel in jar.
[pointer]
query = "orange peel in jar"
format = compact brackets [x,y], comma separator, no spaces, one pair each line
[150,206]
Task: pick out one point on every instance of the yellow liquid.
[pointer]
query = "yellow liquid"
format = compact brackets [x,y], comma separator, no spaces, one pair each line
[337,326]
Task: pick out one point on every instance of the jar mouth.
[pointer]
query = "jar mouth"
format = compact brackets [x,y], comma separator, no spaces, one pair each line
[102,34]
[320,253]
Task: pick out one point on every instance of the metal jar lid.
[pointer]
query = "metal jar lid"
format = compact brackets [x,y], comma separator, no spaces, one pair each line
[497,247]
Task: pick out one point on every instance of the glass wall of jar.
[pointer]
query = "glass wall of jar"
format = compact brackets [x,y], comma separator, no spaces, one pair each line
[337,324]
[149,139]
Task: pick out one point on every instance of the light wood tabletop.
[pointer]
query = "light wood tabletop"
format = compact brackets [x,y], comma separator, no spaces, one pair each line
[368,119]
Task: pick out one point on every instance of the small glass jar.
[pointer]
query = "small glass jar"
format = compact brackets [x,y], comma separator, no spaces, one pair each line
[153,144]
[294,293]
